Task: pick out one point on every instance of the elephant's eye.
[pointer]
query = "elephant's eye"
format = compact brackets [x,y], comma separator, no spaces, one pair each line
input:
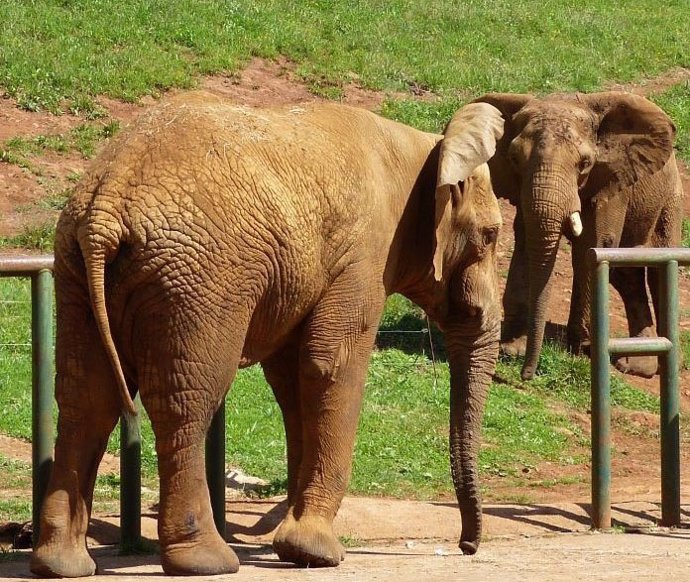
[586,164]
[489,235]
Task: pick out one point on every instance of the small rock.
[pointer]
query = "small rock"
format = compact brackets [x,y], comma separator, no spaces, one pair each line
[23,539]
[441,552]
[18,535]
[236,479]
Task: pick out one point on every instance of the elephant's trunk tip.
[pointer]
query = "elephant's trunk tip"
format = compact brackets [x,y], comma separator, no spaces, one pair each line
[528,371]
[469,547]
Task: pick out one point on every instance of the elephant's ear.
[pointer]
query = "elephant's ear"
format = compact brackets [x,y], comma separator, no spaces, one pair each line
[504,178]
[635,139]
[469,141]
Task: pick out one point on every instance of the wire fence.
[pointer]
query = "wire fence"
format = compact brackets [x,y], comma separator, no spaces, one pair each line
[15,326]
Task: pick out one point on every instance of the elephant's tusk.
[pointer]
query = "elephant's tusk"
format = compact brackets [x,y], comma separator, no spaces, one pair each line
[576,223]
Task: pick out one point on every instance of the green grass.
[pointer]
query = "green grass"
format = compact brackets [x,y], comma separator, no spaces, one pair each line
[685,236]
[83,139]
[16,476]
[15,357]
[17,473]
[58,54]
[38,238]
[566,378]
[15,509]
[676,102]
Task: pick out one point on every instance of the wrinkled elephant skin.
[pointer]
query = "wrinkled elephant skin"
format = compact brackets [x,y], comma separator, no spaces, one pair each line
[209,236]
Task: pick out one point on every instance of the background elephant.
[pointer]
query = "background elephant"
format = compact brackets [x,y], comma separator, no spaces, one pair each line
[210,236]
[601,165]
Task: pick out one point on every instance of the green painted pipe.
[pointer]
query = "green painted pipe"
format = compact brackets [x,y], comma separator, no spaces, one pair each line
[42,389]
[130,482]
[669,395]
[215,467]
[601,399]
[639,257]
[24,265]
[666,347]
[630,346]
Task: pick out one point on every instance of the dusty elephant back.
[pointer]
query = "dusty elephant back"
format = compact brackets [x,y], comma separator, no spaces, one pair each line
[297,171]
[276,201]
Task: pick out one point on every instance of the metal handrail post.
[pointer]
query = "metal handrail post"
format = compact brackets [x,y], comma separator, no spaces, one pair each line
[215,467]
[601,399]
[667,260]
[42,389]
[669,395]
[130,481]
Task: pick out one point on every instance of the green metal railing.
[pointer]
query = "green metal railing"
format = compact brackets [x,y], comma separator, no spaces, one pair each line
[666,346]
[39,269]
[215,467]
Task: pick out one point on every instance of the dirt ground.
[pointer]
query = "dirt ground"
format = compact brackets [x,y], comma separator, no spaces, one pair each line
[548,540]
[403,540]
[612,558]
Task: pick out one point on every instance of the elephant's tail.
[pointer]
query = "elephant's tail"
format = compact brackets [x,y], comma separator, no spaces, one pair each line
[95,249]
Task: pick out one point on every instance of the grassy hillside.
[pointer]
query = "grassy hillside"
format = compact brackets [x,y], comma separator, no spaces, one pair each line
[676,102]
[60,53]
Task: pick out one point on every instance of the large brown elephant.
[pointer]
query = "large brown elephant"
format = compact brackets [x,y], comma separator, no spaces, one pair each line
[210,236]
[599,168]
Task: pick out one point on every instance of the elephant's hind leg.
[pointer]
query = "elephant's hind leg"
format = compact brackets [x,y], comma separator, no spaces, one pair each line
[515,296]
[630,283]
[337,342]
[89,408]
[667,234]
[183,376]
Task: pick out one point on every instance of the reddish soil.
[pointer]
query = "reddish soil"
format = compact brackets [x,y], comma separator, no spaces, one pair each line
[265,83]
[635,435]
[655,85]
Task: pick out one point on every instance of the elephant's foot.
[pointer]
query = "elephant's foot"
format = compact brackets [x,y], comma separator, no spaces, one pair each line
[203,557]
[645,366]
[52,561]
[515,346]
[309,541]
[577,340]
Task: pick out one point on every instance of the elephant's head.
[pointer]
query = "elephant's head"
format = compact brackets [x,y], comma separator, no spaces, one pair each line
[467,220]
[559,153]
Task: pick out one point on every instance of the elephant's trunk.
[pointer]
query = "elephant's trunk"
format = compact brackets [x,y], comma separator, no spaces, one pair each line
[547,202]
[472,362]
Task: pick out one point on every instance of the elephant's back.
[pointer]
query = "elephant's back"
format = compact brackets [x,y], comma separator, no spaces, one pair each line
[272,203]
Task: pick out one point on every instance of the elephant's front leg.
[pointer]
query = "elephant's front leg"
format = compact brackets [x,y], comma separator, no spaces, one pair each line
[516,295]
[334,356]
[578,320]
[282,373]
[89,407]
